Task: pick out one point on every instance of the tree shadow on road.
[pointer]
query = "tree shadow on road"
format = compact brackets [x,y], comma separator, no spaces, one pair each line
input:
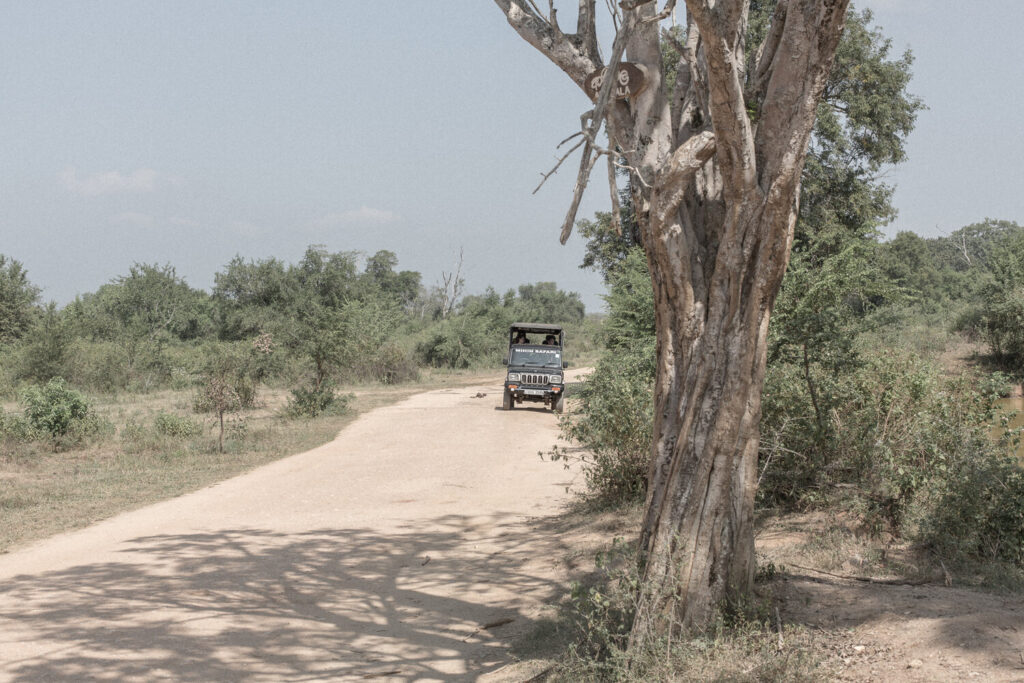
[251,604]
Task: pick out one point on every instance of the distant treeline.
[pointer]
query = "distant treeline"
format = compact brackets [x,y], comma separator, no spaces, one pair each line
[322,318]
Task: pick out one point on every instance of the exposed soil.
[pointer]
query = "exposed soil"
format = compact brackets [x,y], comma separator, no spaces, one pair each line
[418,545]
[421,544]
[870,626]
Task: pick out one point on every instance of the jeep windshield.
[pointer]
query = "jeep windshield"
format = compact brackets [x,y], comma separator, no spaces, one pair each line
[534,357]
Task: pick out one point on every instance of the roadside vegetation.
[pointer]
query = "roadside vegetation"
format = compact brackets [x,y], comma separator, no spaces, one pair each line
[148,388]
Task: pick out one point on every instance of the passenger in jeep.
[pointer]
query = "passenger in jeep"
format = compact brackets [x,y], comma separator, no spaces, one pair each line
[550,340]
[521,338]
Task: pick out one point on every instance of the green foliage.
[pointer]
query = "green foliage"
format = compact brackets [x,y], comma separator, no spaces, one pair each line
[461,342]
[59,413]
[316,400]
[18,300]
[862,124]
[979,513]
[231,374]
[44,349]
[545,302]
[477,332]
[630,302]
[176,426]
[402,287]
[909,450]
[151,303]
[17,428]
[612,421]
[53,408]
[612,416]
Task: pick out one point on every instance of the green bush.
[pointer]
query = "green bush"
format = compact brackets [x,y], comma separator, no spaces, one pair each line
[98,365]
[979,513]
[176,426]
[612,421]
[461,342]
[60,413]
[313,401]
[54,407]
[17,428]
[393,365]
[910,451]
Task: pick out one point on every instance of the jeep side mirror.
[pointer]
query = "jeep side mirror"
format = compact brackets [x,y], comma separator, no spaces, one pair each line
[504,361]
[565,364]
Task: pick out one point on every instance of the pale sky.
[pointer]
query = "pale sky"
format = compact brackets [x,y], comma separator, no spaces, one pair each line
[191,131]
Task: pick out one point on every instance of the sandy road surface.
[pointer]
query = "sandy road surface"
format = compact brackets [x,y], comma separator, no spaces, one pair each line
[405,549]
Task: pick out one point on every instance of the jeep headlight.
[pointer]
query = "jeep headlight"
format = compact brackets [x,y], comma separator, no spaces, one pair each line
[555,379]
[513,377]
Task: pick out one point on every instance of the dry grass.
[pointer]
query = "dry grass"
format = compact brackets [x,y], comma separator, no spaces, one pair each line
[43,492]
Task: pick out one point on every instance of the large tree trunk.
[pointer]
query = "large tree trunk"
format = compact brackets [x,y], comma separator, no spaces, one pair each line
[715,174]
[697,541]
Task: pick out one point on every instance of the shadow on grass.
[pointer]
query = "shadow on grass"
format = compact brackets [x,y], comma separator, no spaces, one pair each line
[250,604]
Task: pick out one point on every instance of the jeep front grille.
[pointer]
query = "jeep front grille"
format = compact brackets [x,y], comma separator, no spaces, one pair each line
[534,379]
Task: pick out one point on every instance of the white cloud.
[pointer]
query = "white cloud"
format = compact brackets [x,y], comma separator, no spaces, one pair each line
[134,219]
[109,182]
[362,216]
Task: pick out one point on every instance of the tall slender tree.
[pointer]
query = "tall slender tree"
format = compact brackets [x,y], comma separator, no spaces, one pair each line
[715,157]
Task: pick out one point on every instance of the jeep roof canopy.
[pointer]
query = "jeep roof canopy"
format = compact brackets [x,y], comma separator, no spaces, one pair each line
[536,328]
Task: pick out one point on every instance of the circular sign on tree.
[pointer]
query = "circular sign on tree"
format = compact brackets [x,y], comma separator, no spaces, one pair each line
[630,80]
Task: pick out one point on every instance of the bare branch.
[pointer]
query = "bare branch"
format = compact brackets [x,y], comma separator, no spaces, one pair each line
[670,7]
[614,12]
[551,42]
[559,163]
[586,29]
[574,135]
[596,118]
[613,189]
[587,162]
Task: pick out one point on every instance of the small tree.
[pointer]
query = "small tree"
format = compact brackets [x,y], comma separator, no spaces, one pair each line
[18,300]
[217,395]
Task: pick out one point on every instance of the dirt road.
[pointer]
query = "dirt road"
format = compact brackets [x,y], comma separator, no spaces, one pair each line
[409,548]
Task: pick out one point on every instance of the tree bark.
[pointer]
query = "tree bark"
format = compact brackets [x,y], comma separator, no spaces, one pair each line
[715,171]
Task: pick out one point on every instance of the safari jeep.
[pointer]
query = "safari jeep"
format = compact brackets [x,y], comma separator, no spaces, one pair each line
[535,366]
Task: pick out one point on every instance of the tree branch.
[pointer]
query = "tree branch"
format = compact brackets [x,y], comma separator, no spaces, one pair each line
[796,79]
[576,61]
[614,191]
[559,163]
[766,53]
[685,162]
[587,162]
[586,30]
[721,31]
